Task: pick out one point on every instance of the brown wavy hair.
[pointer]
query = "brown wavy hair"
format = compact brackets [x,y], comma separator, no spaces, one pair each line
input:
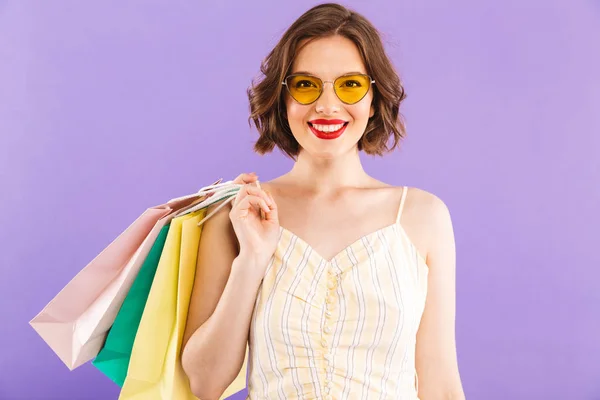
[267,101]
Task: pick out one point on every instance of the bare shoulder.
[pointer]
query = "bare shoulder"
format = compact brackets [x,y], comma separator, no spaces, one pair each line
[427,221]
[426,202]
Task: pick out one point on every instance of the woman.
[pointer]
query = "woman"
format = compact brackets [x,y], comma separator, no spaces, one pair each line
[341,285]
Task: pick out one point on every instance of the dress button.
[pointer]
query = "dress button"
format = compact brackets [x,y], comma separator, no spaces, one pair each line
[330,299]
[331,285]
[328,313]
[327,356]
[327,329]
[324,343]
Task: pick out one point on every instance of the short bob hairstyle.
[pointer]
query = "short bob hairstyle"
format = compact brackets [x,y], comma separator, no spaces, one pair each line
[267,101]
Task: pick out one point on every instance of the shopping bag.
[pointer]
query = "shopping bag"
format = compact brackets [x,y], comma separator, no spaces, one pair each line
[175,384]
[149,352]
[180,388]
[113,358]
[155,370]
[75,321]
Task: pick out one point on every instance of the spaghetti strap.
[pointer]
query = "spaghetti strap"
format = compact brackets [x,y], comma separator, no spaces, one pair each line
[404,191]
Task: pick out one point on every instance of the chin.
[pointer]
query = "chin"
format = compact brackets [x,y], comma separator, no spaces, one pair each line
[327,151]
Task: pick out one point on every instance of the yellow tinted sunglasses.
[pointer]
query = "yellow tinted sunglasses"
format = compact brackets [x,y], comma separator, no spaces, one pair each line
[306,89]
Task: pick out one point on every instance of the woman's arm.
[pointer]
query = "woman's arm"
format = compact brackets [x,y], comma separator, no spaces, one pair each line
[223,297]
[436,359]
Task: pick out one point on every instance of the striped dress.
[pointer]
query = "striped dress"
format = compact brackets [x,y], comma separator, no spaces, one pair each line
[343,328]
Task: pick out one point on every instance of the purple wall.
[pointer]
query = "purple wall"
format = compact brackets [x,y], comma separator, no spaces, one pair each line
[107,107]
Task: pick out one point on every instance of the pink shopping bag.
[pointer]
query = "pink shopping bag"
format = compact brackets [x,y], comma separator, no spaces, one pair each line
[76,321]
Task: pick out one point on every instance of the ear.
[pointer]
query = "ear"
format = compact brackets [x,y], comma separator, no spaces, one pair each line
[372,111]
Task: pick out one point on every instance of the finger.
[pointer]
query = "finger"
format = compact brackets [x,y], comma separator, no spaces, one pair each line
[273,214]
[238,197]
[249,202]
[255,191]
[242,192]
[249,189]
[245,178]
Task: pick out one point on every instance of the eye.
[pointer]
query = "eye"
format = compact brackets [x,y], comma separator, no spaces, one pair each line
[305,84]
[351,84]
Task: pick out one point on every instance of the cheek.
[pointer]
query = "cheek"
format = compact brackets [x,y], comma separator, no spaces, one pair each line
[296,113]
[360,112]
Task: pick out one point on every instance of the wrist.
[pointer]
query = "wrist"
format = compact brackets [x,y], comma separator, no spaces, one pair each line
[252,258]
[250,264]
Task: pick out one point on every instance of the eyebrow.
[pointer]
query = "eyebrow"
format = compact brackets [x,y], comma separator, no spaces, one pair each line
[345,73]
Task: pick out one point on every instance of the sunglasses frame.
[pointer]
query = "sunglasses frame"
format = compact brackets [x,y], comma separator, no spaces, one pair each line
[284,83]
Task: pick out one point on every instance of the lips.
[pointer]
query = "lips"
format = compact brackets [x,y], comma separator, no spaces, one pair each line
[327,121]
[328,135]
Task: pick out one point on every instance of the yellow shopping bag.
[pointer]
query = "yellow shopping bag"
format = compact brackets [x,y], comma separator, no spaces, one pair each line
[155,370]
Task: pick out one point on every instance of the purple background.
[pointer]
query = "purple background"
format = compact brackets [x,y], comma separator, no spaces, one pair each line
[108,107]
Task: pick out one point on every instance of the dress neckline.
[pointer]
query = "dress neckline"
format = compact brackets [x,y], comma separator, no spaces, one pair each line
[352,246]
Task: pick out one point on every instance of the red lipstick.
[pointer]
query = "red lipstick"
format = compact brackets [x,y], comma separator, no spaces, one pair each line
[327,121]
[328,135]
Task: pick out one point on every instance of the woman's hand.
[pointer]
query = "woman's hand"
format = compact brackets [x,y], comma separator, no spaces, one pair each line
[255,221]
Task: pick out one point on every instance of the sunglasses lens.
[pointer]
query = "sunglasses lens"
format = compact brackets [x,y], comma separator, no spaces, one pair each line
[352,88]
[304,89]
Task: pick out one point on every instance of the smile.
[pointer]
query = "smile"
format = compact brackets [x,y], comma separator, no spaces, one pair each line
[328,129]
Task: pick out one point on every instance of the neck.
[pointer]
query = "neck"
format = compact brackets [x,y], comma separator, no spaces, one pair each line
[323,176]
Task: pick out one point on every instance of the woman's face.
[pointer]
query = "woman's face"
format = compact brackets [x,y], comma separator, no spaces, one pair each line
[328,59]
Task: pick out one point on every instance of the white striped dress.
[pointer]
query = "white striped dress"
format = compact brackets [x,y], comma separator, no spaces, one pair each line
[343,328]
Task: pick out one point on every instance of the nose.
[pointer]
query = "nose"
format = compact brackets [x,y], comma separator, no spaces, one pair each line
[328,102]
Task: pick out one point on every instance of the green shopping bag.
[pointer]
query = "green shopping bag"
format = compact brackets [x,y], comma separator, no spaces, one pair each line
[113,358]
